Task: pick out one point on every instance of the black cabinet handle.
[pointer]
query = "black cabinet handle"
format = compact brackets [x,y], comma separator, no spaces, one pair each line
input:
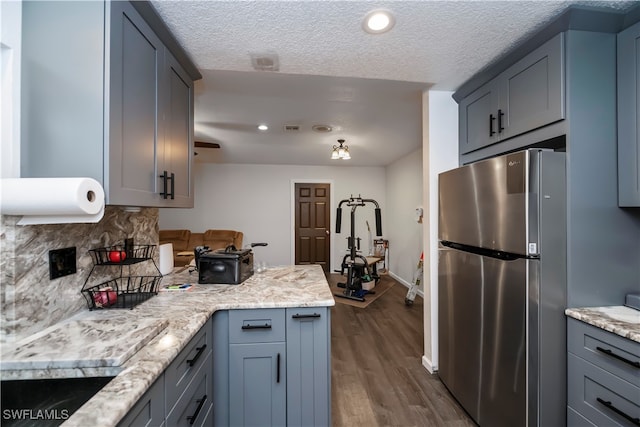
[173,185]
[265,326]
[199,350]
[278,370]
[192,418]
[305,316]
[617,356]
[491,119]
[609,405]
[500,115]
[164,177]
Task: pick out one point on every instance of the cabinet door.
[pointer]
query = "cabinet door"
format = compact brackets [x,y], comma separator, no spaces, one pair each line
[135,64]
[478,119]
[532,90]
[175,153]
[257,384]
[628,120]
[308,367]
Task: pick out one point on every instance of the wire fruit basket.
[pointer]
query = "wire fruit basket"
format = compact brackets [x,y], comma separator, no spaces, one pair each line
[125,291]
[122,292]
[121,254]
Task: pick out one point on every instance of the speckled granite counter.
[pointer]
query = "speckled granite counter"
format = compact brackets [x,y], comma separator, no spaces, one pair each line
[620,320]
[186,313]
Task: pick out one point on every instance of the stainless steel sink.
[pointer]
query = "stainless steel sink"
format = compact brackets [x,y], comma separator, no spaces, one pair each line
[47,402]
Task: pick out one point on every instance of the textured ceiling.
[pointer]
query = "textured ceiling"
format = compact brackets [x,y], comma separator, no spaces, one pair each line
[434,43]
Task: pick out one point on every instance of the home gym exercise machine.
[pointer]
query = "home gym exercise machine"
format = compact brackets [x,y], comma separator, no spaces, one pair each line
[356,265]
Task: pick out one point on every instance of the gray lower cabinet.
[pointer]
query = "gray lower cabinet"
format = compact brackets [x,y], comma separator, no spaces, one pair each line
[183,394]
[628,117]
[149,411]
[603,377]
[308,366]
[257,387]
[524,97]
[272,367]
[106,99]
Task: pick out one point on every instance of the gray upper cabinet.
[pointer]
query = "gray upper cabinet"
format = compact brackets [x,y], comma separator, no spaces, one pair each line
[106,99]
[176,154]
[524,97]
[135,72]
[477,118]
[628,117]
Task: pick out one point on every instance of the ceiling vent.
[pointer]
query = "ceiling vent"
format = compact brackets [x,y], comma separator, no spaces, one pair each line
[291,128]
[322,128]
[265,61]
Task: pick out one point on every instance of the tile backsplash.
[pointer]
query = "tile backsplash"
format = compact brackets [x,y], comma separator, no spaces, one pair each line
[29,300]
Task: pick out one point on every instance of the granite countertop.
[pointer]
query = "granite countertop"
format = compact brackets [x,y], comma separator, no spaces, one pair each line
[621,320]
[177,316]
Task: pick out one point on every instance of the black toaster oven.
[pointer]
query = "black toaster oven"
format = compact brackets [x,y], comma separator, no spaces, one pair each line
[225,266]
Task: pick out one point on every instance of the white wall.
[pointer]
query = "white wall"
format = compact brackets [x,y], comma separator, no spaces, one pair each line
[258,200]
[10,55]
[440,145]
[404,195]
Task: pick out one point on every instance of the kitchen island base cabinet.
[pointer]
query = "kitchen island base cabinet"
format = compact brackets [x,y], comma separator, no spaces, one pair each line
[258,386]
[272,367]
[308,367]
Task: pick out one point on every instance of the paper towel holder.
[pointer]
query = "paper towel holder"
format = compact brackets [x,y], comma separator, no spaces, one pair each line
[52,200]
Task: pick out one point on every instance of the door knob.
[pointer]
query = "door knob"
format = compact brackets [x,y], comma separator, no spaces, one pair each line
[326,232]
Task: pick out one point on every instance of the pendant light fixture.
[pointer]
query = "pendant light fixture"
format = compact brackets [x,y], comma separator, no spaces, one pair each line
[340,152]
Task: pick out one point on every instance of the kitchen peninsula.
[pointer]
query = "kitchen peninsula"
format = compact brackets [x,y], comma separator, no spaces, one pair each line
[185,315]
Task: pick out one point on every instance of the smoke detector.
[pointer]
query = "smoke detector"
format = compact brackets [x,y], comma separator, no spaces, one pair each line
[265,61]
[322,128]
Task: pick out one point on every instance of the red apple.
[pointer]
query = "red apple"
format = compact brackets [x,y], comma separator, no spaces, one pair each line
[105,297]
[117,256]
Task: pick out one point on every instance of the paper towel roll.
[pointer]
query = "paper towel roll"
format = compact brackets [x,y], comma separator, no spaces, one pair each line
[52,200]
[166,258]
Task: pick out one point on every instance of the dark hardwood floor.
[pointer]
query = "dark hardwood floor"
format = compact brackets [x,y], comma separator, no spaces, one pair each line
[377,377]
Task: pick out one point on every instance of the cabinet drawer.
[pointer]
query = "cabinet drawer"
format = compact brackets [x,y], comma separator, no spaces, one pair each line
[609,351]
[254,326]
[186,364]
[601,397]
[149,410]
[194,406]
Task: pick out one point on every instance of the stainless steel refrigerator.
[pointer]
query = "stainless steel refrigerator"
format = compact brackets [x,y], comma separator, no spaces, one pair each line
[502,288]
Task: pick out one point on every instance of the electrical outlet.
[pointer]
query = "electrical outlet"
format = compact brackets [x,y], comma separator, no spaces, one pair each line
[62,262]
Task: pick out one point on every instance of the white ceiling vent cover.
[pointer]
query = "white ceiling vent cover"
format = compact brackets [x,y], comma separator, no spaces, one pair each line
[265,61]
[322,128]
[291,128]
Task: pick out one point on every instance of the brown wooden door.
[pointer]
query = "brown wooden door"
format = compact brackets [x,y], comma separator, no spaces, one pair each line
[313,224]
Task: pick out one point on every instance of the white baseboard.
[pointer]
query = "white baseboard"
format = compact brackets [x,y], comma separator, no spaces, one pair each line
[405,283]
[428,366]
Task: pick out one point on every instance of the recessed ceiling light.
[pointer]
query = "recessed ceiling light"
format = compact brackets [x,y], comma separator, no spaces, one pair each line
[263,127]
[378,21]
